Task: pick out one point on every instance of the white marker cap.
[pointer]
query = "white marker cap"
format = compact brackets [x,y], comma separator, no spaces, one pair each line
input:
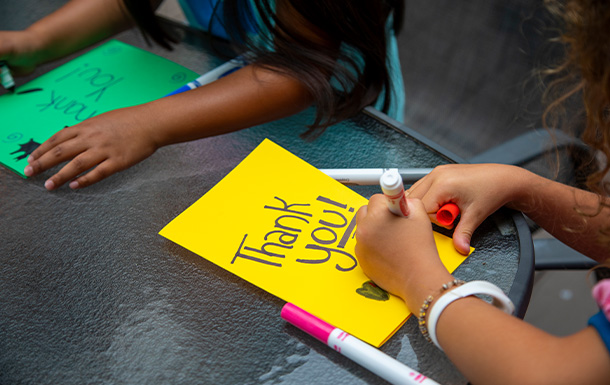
[391,182]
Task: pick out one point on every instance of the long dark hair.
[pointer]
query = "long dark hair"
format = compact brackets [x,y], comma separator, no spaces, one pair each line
[358,27]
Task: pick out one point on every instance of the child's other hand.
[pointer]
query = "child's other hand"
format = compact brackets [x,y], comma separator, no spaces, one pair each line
[478,189]
[19,49]
[103,144]
[393,250]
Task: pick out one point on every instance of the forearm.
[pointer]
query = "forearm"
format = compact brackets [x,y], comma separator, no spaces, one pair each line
[76,25]
[559,210]
[117,139]
[247,97]
[491,347]
[487,345]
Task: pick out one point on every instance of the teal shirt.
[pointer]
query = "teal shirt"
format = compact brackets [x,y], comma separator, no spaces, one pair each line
[397,105]
[199,14]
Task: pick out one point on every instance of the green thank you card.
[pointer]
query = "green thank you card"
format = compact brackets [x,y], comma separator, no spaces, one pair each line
[113,75]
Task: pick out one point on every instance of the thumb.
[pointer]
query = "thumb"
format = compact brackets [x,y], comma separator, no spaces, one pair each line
[463,233]
[416,208]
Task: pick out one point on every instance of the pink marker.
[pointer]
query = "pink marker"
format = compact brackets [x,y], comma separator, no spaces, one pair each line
[360,352]
[394,190]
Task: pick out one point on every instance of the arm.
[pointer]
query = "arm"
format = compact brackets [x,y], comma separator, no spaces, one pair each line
[115,140]
[559,210]
[480,190]
[487,345]
[76,25]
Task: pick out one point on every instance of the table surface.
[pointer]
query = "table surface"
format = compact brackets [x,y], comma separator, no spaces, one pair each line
[90,293]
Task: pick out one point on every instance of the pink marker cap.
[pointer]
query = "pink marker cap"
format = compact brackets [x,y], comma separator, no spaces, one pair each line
[307,322]
[447,214]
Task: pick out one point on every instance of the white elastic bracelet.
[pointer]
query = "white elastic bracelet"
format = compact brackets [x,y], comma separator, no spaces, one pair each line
[499,300]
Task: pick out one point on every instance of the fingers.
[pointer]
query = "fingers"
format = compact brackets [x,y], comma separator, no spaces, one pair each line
[419,188]
[53,151]
[100,172]
[374,202]
[417,210]
[75,167]
[93,150]
[463,232]
[361,214]
[434,194]
[17,49]
[371,216]
[377,201]
[431,193]
[101,169]
[431,201]
[62,147]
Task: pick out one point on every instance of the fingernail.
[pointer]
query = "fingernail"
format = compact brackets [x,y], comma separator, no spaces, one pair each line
[466,247]
[49,185]
[30,159]
[28,170]
[74,184]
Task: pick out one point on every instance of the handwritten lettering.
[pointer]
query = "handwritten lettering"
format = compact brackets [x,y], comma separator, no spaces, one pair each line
[100,92]
[336,225]
[287,207]
[253,258]
[329,252]
[69,107]
[93,77]
[317,235]
[285,237]
[286,234]
[327,240]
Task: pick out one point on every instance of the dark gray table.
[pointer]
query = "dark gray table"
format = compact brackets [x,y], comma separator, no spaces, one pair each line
[91,294]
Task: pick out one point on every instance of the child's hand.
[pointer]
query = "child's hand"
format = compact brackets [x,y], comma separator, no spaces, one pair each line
[19,50]
[394,251]
[478,189]
[106,143]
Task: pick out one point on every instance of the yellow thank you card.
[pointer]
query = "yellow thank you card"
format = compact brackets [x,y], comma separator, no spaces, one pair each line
[294,237]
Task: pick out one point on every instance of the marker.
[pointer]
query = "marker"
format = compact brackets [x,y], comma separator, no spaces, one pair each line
[215,74]
[394,191]
[358,351]
[370,176]
[393,188]
[447,214]
[6,78]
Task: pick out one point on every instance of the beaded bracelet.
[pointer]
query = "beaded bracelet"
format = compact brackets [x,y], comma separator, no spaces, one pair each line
[424,308]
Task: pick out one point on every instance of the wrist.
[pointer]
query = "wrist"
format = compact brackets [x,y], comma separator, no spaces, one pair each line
[150,124]
[425,310]
[464,290]
[519,195]
[426,283]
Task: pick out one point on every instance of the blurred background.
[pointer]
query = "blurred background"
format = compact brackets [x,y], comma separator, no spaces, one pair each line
[470,82]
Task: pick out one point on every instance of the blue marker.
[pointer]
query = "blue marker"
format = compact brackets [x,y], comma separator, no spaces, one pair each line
[6,78]
[215,74]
